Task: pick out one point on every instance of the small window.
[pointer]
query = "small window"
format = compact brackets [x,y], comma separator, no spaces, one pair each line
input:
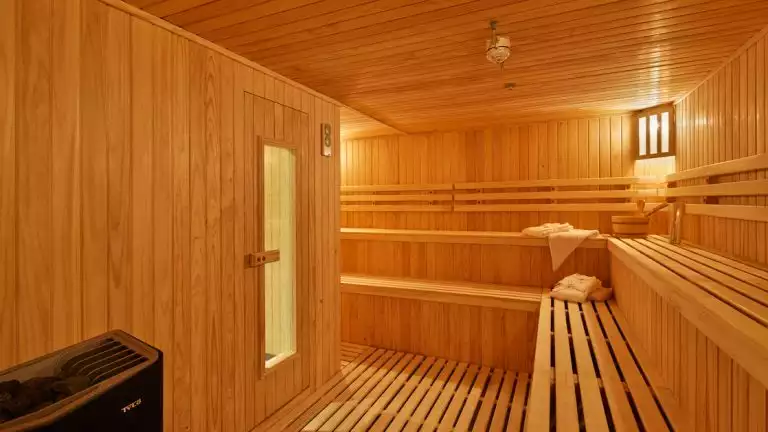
[654,132]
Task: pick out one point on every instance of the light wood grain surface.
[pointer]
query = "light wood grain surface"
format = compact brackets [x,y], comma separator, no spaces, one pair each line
[123,204]
[721,130]
[420,66]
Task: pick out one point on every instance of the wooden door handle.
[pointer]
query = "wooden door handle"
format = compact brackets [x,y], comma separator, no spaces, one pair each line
[261,258]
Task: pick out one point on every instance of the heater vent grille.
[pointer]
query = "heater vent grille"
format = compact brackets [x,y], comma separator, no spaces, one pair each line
[102,362]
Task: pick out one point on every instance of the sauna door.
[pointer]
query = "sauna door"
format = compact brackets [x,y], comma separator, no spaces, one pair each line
[274,260]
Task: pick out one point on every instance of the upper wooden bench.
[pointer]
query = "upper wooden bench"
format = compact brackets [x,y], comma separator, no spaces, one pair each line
[457,237]
[586,373]
[725,299]
[463,293]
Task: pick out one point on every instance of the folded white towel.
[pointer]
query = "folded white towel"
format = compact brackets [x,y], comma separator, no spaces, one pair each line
[547,229]
[562,244]
[575,287]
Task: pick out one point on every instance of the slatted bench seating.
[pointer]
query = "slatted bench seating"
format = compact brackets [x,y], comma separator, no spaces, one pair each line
[586,375]
[702,320]
[487,324]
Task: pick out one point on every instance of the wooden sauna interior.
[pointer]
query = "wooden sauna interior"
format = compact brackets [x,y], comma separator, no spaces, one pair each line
[315,208]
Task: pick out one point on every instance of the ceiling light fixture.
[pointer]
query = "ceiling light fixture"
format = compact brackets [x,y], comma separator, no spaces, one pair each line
[497,49]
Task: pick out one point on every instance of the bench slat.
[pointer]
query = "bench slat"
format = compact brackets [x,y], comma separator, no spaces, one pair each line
[580,182]
[763,274]
[538,403]
[473,398]
[594,412]
[641,394]
[489,400]
[715,264]
[518,403]
[502,404]
[567,414]
[396,198]
[721,275]
[621,411]
[484,295]
[558,195]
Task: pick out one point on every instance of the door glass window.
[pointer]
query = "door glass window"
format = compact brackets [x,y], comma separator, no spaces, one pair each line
[280,235]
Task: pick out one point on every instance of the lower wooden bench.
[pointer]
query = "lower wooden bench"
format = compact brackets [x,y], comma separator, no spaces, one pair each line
[586,375]
[486,324]
[701,319]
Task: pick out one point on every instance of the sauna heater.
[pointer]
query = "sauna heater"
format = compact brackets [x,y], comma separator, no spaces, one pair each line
[113,382]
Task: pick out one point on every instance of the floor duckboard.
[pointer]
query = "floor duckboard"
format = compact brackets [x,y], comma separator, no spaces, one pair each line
[383,390]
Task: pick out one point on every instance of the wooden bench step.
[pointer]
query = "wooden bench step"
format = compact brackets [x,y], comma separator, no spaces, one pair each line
[586,375]
[464,293]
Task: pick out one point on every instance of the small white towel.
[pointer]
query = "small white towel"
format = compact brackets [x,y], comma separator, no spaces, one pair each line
[575,288]
[562,244]
[547,229]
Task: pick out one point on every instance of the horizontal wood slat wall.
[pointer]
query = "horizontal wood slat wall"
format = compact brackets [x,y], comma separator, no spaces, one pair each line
[723,119]
[122,200]
[596,147]
[710,388]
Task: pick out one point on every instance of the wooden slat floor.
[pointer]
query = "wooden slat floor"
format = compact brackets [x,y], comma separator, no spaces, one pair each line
[383,390]
[350,352]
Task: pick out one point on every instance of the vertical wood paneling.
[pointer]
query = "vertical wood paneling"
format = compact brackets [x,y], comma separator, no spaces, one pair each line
[162,206]
[142,135]
[229,258]
[118,111]
[721,120]
[582,148]
[65,174]
[8,286]
[130,192]
[94,170]
[212,136]
[198,206]
[182,335]
[34,158]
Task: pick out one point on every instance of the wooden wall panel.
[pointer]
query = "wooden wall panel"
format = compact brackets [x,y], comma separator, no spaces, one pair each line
[724,119]
[710,388]
[487,336]
[590,147]
[122,144]
[493,264]
[8,289]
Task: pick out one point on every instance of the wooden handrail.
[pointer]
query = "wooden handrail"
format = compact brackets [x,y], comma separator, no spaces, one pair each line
[751,163]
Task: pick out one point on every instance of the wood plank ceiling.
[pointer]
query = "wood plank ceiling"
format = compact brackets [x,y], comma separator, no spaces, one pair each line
[419,65]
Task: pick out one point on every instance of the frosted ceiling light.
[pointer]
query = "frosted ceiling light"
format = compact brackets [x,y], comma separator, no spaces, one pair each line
[497,48]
